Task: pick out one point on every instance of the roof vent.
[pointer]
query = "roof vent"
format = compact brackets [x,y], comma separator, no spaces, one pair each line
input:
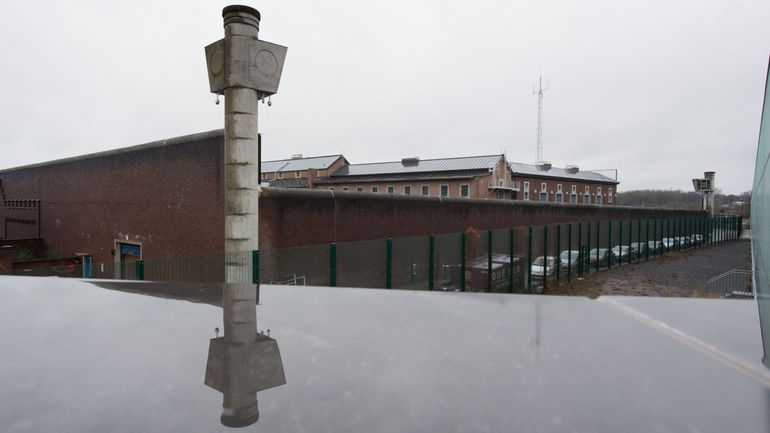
[544,165]
[415,160]
[572,169]
[296,156]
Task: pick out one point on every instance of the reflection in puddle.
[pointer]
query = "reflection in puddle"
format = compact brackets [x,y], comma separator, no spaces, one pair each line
[243,361]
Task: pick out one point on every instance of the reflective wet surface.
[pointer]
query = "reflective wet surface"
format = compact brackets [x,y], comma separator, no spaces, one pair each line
[111,356]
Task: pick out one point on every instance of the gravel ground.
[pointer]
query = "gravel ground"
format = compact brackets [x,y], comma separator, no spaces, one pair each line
[675,274]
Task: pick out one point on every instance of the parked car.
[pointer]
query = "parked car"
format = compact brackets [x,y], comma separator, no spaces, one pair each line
[696,239]
[544,266]
[655,247]
[670,243]
[624,253]
[640,247]
[602,255]
[684,241]
[570,259]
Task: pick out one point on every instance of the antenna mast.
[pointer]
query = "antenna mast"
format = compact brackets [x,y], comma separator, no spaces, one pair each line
[539,92]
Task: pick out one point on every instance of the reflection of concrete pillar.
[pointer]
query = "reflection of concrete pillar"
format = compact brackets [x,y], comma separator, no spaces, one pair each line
[241,156]
[244,361]
[239,404]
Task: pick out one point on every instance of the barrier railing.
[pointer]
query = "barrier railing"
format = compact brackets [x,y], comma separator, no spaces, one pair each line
[512,260]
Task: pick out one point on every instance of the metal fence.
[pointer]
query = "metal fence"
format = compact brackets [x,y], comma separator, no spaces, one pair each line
[735,283]
[512,260]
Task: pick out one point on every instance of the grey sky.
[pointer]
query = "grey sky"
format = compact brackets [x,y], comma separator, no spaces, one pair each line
[661,90]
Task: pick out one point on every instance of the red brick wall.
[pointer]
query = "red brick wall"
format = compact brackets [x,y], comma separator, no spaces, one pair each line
[168,197]
[307,217]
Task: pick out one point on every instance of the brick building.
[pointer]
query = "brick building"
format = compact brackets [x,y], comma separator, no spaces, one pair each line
[475,176]
[545,183]
[299,172]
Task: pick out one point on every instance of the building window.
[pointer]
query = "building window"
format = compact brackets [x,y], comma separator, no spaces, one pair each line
[574,189]
[559,197]
[264,176]
[544,196]
[344,188]
[609,195]
[408,189]
[573,198]
[598,199]
[543,187]
[586,198]
[280,175]
[391,189]
[444,190]
[425,190]
[558,188]
[526,190]
[318,173]
[297,174]
[359,189]
[464,190]
[587,190]
[375,189]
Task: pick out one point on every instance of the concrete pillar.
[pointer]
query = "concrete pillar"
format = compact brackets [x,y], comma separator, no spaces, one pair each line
[241,156]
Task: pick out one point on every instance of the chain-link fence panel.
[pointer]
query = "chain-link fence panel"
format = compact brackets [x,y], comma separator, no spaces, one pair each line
[362,263]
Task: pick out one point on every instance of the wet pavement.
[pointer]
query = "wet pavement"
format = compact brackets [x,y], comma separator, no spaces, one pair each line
[682,274]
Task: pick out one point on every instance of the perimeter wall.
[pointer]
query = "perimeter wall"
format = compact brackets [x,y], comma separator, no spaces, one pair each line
[167,196]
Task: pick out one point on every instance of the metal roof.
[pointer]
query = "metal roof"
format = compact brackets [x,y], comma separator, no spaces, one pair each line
[313,163]
[534,170]
[399,177]
[421,166]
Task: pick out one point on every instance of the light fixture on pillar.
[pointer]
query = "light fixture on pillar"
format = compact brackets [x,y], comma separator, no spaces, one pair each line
[245,70]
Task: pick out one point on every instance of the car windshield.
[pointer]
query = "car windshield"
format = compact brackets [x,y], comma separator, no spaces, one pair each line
[565,255]
[540,260]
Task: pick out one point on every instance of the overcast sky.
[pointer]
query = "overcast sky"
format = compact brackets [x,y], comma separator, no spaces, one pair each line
[660,90]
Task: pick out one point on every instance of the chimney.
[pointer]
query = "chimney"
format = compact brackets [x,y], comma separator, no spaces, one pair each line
[572,169]
[411,162]
[543,165]
[296,156]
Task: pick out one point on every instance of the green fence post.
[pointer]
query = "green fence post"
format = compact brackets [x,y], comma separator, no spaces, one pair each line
[639,240]
[529,260]
[581,256]
[463,246]
[431,260]
[558,251]
[609,242]
[587,259]
[511,245]
[598,242]
[489,260]
[254,267]
[139,268]
[646,239]
[389,263]
[332,264]
[740,226]
[620,241]
[569,252]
